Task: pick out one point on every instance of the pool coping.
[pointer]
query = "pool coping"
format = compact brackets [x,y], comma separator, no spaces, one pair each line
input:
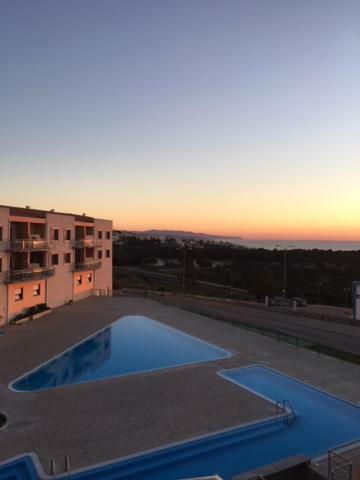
[44,476]
[140,372]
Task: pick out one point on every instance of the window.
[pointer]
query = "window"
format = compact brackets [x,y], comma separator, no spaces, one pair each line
[36,290]
[89,277]
[1,233]
[55,234]
[67,234]
[100,234]
[67,258]
[55,259]
[99,254]
[19,294]
[107,253]
[78,280]
[89,231]
[108,237]
[0,264]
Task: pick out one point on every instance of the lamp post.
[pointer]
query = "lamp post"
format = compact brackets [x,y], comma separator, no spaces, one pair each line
[285,248]
[320,285]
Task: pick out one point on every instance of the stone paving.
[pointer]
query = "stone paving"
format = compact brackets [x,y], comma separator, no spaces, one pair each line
[106,419]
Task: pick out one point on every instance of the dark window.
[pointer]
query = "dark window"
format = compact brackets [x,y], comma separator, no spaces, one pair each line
[99,254]
[0,264]
[89,231]
[100,234]
[108,237]
[67,234]
[107,253]
[55,234]
[55,259]
[1,233]
[67,258]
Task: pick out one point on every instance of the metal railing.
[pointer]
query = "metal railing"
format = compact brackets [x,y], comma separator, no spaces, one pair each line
[86,265]
[339,467]
[86,242]
[27,244]
[28,274]
[285,407]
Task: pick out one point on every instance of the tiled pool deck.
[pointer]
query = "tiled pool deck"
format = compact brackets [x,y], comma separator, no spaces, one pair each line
[103,420]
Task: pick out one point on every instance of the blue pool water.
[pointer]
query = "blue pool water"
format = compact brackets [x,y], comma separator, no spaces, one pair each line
[133,344]
[322,422]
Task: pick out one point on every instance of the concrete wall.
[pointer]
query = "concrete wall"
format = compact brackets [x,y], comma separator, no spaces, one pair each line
[4,223]
[16,307]
[103,276]
[86,288]
[60,286]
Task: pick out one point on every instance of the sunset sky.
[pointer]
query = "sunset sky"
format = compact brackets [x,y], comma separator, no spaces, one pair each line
[236,117]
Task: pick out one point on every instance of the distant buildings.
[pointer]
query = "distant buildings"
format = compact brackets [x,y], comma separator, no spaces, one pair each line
[51,258]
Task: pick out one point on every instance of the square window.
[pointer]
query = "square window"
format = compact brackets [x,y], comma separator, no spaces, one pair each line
[89,231]
[55,259]
[100,234]
[19,294]
[99,254]
[107,253]
[89,278]
[108,237]
[78,280]
[67,258]
[36,290]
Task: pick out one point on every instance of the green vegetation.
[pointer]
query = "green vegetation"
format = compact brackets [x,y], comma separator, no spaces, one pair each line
[319,276]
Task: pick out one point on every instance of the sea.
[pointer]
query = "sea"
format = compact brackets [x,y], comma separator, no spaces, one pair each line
[300,244]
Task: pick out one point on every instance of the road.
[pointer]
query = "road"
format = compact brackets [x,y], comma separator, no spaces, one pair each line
[334,335]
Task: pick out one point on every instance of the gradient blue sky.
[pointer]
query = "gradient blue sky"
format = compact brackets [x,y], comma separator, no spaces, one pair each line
[224,116]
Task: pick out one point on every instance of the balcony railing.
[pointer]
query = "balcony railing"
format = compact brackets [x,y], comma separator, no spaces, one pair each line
[87,265]
[87,242]
[29,274]
[28,244]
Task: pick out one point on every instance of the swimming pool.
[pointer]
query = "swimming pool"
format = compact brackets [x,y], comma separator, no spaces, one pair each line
[323,421]
[133,344]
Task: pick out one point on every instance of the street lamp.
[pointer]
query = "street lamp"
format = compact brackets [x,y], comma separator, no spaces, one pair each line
[285,248]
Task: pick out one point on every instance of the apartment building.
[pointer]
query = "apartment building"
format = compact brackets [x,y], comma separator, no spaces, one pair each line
[51,258]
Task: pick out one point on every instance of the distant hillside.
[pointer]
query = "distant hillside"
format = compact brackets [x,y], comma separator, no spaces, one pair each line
[185,234]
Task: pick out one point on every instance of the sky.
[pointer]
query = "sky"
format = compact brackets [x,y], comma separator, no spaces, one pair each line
[234,117]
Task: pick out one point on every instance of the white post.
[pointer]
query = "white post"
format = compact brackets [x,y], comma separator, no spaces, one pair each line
[294,305]
[266,301]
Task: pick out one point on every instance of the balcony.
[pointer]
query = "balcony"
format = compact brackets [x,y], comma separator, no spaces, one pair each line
[29,274]
[86,265]
[25,245]
[86,242]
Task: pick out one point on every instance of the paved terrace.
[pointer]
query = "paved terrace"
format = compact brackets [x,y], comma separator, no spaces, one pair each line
[103,420]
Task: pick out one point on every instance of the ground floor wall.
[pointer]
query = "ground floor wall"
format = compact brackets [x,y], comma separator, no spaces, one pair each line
[21,296]
[83,284]
[3,304]
[60,287]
